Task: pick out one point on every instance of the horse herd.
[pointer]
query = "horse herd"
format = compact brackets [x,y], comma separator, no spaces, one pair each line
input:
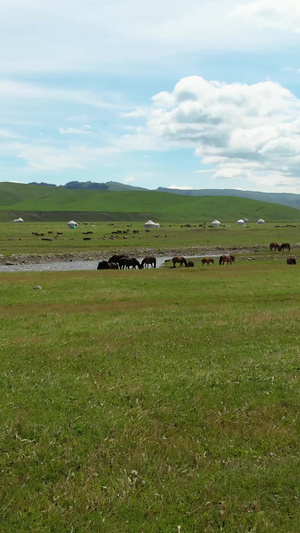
[123,261]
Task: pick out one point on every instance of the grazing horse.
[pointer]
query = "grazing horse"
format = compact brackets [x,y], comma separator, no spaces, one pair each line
[181,260]
[116,258]
[228,259]
[285,246]
[190,264]
[275,246]
[107,265]
[127,262]
[207,260]
[148,260]
[291,261]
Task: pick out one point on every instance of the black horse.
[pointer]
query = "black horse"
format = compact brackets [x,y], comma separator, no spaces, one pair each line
[148,260]
[107,265]
[116,258]
[127,262]
[285,246]
[291,261]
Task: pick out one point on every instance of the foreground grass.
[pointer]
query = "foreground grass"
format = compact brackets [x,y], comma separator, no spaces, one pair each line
[140,401]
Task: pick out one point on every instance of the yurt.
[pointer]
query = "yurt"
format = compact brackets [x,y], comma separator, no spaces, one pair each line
[151,224]
[261,221]
[72,224]
[216,224]
[241,222]
[18,220]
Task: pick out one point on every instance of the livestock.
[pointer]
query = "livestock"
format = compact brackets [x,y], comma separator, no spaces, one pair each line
[127,262]
[207,260]
[275,246]
[228,259]
[285,246]
[107,265]
[291,261]
[179,259]
[148,260]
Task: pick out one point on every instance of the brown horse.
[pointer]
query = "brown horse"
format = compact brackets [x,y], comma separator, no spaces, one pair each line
[228,259]
[207,260]
[291,261]
[275,246]
[148,260]
[179,259]
[285,246]
[190,264]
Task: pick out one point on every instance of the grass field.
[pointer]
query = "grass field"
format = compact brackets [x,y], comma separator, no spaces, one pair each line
[18,238]
[140,401]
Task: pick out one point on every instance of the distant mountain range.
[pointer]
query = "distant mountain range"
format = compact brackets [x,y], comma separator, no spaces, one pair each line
[288,199]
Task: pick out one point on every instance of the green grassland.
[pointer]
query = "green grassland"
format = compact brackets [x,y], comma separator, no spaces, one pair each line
[140,401]
[38,203]
[18,238]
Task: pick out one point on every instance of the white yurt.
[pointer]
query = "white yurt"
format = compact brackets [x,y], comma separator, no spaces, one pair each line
[261,221]
[72,224]
[241,222]
[151,224]
[216,224]
[18,220]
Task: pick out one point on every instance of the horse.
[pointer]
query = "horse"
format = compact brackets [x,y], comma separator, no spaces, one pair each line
[116,258]
[127,262]
[207,260]
[107,265]
[148,260]
[190,264]
[285,246]
[228,259]
[291,261]
[179,259]
[275,246]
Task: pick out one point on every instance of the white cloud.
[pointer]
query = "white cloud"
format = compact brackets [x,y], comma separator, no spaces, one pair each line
[130,179]
[273,14]
[245,131]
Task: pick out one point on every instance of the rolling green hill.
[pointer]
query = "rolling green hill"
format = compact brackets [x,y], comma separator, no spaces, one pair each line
[39,202]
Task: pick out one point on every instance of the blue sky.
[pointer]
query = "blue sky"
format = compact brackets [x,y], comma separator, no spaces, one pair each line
[183,94]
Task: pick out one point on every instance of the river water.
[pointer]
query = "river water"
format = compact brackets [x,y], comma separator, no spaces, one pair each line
[73,265]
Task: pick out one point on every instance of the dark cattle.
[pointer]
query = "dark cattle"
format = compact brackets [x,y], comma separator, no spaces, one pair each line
[275,246]
[291,261]
[179,259]
[148,261]
[107,265]
[127,262]
[285,246]
[190,264]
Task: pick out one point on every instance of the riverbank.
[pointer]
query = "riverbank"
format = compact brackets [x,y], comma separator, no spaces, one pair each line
[26,259]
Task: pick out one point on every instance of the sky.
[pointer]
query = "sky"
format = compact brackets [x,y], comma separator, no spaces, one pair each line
[196,94]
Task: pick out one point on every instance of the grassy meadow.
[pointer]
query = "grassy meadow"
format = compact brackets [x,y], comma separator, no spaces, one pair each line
[44,203]
[18,238]
[163,400]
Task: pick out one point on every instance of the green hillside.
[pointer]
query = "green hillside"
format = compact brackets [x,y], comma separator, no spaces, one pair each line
[35,202]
